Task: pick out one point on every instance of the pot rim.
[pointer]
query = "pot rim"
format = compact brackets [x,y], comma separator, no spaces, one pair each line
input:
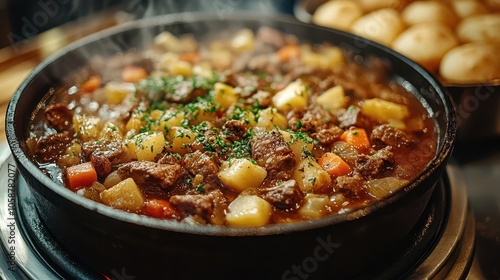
[444,146]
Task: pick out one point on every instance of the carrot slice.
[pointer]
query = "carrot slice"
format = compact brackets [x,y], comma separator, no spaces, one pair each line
[133,74]
[93,83]
[357,138]
[160,208]
[288,52]
[81,175]
[192,57]
[334,165]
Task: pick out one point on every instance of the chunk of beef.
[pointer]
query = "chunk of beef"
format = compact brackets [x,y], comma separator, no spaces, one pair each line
[293,117]
[327,136]
[311,120]
[168,158]
[203,164]
[193,204]
[283,194]
[59,117]
[386,155]
[153,178]
[51,146]
[350,186]
[101,164]
[385,134]
[368,167]
[271,36]
[270,151]
[113,151]
[183,91]
[261,97]
[354,117]
[235,129]
[371,166]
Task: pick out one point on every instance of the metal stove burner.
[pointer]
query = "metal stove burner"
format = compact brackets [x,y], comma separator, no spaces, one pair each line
[447,229]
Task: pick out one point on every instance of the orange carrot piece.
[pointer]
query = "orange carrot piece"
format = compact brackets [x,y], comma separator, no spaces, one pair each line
[334,165]
[160,208]
[133,74]
[81,175]
[357,138]
[192,57]
[288,52]
[93,83]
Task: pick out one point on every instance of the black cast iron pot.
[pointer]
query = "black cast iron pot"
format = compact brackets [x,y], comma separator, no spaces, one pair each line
[107,240]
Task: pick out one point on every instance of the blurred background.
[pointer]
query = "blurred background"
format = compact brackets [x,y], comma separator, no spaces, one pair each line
[22,20]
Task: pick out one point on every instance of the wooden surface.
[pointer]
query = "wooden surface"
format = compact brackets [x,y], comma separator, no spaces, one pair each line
[17,61]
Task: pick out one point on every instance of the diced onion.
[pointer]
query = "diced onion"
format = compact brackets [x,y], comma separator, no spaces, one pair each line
[383,187]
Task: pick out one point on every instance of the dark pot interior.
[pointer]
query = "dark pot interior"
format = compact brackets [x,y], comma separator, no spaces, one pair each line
[108,240]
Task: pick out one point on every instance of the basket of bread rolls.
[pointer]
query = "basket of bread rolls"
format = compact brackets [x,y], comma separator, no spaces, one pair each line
[456,40]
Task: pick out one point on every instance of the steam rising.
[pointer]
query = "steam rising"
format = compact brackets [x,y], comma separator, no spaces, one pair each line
[106,47]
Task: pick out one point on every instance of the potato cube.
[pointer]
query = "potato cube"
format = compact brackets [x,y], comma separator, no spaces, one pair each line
[333,98]
[333,57]
[125,195]
[270,118]
[86,127]
[297,144]
[168,42]
[203,69]
[314,206]
[146,145]
[172,118]
[224,95]
[243,40]
[383,110]
[166,60]
[135,122]
[310,176]
[201,112]
[116,92]
[181,68]
[180,138]
[249,211]
[241,174]
[221,59]
[292,96]
[110,132]
[329,58]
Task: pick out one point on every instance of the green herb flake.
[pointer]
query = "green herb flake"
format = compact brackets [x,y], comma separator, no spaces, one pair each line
[200,188]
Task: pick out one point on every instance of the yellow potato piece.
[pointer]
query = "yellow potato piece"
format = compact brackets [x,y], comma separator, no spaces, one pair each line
[292,96]
[125,195]
[146,145]
[224,95]
[241,174]
[310,176]
[383,110]
[249,211]
[333,98]
[314,206]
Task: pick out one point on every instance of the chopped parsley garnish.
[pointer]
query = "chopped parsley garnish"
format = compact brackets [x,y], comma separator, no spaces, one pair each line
[200,188]
[299,124]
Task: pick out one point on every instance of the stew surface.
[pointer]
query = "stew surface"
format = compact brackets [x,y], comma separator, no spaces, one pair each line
[254,129]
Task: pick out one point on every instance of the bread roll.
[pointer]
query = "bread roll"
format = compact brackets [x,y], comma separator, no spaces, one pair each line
[425,43]
[493,5]
[338,14]
[372,5]
[382,25]
[429,11]
[467,8]
[480,28]
[471,63]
